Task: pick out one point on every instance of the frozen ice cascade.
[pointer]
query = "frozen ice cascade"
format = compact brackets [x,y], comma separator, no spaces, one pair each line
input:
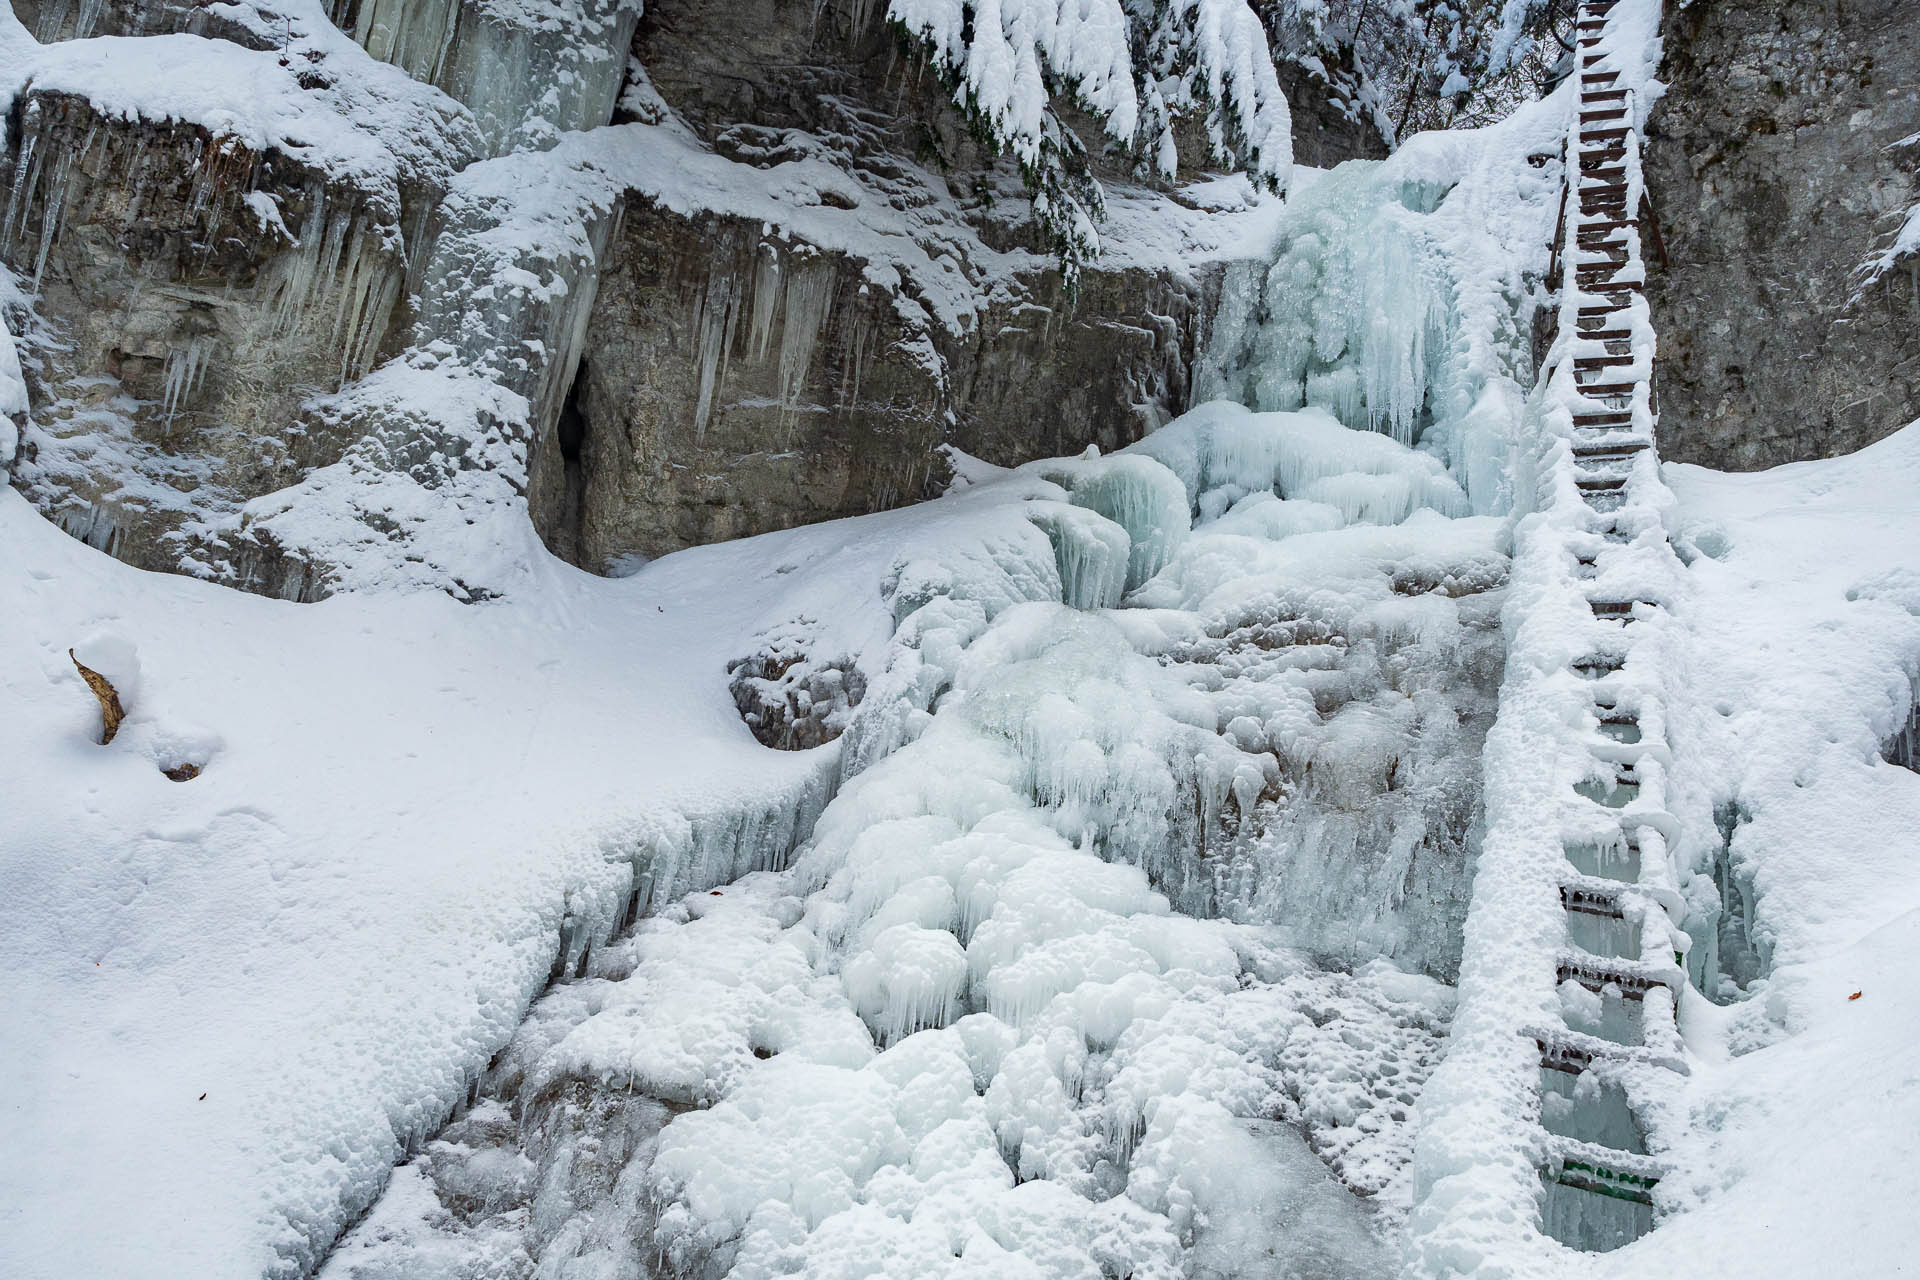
[1124,954]
[1124,947]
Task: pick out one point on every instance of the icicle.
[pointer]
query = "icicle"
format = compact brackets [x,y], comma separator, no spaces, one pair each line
[90,11]
[766,300]
[411,35]
[712,322]
[527,81]
[567,331]
[50,217]
[1091,553]
[809,299]
[1355,314]
[22,189]
[185,366]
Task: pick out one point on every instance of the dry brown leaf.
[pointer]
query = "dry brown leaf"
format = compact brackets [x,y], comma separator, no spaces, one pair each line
[111,712]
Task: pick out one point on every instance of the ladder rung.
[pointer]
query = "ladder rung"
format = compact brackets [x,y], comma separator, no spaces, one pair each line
[1612,286]
[1573,1051]
[1595,973]
[1616,458]
[1603,450]
[1584,1175]
[1592,900]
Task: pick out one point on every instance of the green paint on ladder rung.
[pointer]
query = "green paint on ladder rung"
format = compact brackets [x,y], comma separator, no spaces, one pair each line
[1620,1185]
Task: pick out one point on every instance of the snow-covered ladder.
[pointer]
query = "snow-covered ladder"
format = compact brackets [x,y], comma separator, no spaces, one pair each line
[1611,894]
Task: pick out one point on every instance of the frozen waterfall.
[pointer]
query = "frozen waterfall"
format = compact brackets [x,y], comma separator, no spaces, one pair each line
[1124,946]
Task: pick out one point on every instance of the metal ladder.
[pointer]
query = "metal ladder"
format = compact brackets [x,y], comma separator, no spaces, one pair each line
[1622,906]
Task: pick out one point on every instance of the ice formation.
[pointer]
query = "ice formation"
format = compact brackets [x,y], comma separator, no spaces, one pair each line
[530,70]
[1055,969]
[1057,973]
[1400,295]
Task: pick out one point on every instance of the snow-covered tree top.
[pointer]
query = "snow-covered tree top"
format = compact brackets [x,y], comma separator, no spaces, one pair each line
[1137,65]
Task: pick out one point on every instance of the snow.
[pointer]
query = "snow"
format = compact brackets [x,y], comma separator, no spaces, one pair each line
[1000,56]
[332,928]
[363,125]
[991,959]
[511,261]
[13,384]
[1803,644]
[1138,68]
[1906,242]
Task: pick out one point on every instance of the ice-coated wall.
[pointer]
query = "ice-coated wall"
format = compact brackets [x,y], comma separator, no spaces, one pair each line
[530,70]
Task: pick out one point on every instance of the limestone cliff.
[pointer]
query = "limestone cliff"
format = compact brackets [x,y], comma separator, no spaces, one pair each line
[1784,154]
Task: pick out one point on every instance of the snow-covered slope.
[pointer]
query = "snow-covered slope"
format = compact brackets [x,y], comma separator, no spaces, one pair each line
[330,930]
[1802,648]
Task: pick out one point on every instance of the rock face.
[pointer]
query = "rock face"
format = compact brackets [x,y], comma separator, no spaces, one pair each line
[1776,169]
[734,383]
[195,294]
